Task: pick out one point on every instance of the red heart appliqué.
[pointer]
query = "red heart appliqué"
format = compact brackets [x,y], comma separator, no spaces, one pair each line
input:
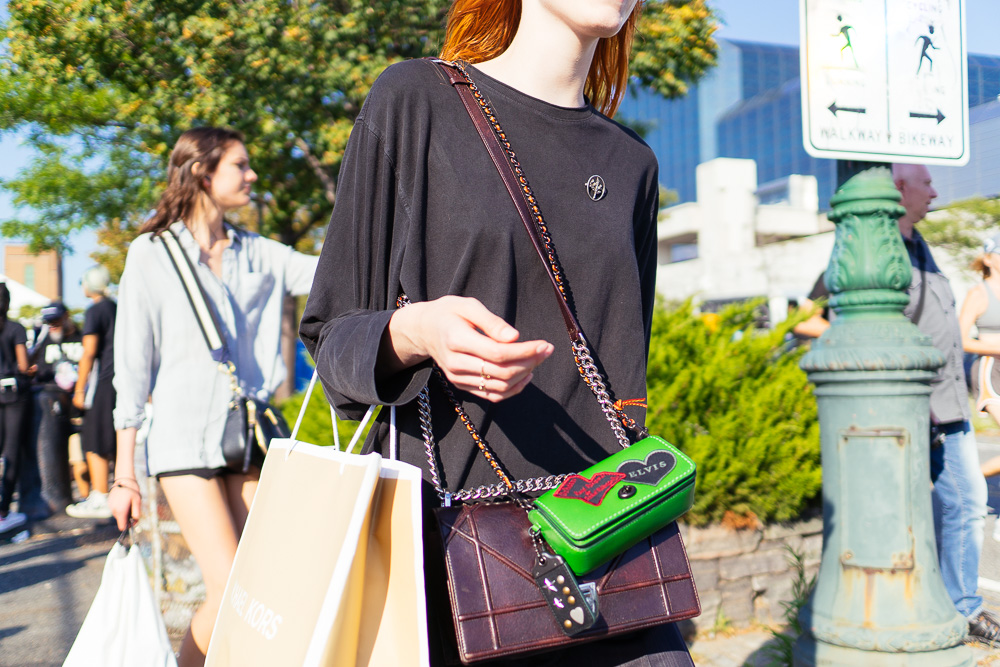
[592,491]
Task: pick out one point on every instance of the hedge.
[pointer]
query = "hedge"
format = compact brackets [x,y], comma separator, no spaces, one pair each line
[734,399]
[315,427]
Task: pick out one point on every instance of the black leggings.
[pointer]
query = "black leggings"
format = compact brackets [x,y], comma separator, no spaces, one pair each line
[13,431]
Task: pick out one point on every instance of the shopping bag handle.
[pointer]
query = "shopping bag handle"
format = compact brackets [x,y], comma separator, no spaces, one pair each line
[127,533]
[333,417]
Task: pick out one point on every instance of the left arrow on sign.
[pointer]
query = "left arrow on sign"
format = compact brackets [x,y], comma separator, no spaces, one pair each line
[834,109]
[938,115]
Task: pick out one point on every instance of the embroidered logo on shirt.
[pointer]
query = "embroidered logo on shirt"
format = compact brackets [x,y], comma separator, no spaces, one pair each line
[596,188]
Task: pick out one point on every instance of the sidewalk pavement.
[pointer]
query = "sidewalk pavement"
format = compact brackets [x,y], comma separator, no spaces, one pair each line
[46,586]
[48,581]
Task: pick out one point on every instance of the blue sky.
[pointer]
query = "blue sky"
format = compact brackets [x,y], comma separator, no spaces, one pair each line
[771,21]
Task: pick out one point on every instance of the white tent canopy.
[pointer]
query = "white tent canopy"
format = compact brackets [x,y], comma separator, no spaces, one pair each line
[23,296]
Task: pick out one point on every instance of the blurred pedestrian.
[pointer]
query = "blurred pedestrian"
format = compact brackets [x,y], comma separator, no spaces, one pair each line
[14,409]
[819,317]
[54,361]
[422,210]
[981,308]
[959,486]
[161,351]
[97,371]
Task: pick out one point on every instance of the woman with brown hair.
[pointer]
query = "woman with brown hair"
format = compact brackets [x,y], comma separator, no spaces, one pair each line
[160,351]
[422,211]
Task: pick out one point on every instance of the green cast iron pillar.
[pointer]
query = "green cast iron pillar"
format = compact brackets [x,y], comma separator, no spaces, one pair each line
[879,597]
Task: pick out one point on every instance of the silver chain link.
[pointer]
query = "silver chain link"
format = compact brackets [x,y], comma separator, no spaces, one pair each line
[592,376]
[424,410]
[480,492]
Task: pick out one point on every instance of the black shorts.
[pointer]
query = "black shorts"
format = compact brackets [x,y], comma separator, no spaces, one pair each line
[98,432]
[206,473]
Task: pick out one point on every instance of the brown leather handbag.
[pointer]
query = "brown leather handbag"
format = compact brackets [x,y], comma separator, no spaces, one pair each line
[499,611]
[491,557]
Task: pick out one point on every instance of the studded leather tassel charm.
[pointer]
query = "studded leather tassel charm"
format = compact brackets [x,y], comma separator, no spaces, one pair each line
[574,609]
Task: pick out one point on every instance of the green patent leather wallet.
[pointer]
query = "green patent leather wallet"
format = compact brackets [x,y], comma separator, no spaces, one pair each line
[599,513]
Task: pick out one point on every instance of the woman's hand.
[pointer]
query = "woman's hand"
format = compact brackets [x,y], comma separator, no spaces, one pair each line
[125,502]
[477,351]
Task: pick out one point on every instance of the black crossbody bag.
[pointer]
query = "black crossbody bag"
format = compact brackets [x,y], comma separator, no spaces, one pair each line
[250,423]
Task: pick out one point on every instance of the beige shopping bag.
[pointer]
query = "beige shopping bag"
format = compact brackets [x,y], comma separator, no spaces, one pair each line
[329,570]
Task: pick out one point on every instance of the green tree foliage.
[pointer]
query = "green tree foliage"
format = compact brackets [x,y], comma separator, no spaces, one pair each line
[316,424]
[102,88]
[960,228]
[734,399]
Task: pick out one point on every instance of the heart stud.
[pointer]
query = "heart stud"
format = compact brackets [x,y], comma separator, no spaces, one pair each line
[576,613]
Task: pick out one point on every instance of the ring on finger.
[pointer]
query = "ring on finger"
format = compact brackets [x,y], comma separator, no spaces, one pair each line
[483,377]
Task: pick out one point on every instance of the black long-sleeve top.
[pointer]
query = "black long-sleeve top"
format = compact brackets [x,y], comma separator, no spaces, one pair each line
[422,210]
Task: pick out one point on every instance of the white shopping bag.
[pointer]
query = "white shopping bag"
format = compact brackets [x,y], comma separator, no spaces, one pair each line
[329,570]
[124,627]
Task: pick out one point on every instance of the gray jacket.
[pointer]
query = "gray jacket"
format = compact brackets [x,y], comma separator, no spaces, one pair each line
[932,309]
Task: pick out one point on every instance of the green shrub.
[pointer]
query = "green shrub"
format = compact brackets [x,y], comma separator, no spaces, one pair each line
[315,426]
[734,399]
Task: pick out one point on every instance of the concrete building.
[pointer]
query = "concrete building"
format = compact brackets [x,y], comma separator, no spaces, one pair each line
[739,240]
[749,107]
[981,176]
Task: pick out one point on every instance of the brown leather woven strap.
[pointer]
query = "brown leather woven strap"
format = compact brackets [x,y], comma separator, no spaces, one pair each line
[504,159]
[514,188]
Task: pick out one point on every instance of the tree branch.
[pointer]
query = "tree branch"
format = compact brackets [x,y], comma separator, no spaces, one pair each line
[329,186]
[301,232]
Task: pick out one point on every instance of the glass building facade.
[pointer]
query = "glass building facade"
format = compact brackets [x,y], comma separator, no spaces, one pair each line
[749,106]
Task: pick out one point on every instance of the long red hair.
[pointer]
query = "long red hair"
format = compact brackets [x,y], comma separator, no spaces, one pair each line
[480,30]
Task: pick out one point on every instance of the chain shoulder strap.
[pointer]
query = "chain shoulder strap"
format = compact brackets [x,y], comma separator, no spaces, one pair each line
[506,486]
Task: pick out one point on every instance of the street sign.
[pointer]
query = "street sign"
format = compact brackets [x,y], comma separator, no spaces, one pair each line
[885,80]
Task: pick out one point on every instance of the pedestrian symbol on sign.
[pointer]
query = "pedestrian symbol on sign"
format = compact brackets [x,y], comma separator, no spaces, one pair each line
[845,30]
[928,44]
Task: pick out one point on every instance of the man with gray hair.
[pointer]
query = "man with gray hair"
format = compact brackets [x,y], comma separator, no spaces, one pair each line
[959,486]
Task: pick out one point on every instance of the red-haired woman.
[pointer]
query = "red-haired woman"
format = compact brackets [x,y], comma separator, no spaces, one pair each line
[160,351]
[421,210]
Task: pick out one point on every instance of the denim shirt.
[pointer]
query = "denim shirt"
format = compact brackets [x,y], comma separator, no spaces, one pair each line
[932,309]
[161,352]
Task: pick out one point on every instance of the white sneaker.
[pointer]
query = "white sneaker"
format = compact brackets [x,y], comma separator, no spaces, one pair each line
[996,530]
[94,507]
[12,521]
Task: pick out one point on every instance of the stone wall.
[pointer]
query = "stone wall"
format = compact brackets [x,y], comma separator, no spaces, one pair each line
[743,576]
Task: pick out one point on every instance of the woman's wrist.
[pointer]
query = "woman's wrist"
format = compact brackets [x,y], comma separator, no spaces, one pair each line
[126,482]
[399,347]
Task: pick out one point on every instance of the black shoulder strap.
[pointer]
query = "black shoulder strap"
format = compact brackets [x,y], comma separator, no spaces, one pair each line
[206,317]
